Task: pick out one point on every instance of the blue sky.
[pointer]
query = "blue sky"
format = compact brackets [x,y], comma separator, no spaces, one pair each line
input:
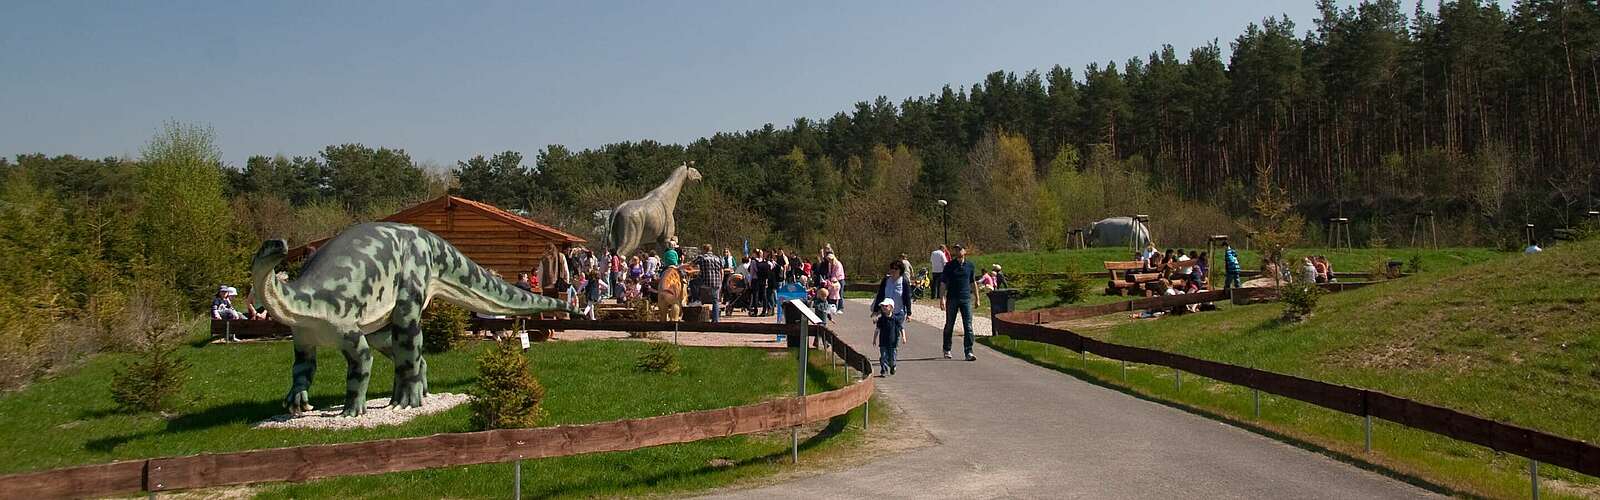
[448,80]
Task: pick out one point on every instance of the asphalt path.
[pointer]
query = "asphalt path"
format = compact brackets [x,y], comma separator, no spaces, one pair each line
[1008,429]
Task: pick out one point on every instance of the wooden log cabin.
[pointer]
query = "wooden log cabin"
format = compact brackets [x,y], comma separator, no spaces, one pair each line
[497,239]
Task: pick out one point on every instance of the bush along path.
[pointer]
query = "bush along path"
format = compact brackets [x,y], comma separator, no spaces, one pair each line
[1008,428]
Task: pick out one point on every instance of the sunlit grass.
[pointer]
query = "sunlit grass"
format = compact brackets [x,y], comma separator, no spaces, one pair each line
[69,419]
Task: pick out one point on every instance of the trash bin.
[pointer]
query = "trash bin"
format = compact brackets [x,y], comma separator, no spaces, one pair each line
[792,318]
[1393,270]
[1002,300]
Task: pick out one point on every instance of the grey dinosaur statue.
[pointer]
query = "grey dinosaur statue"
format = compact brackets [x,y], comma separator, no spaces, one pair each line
[366,289]
[1116,231]
[648,219]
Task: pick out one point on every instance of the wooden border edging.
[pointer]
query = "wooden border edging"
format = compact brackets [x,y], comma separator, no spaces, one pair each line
[301,463]
[1569,453]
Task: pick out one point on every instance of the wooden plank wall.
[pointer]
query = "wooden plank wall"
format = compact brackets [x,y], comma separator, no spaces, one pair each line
[491,243]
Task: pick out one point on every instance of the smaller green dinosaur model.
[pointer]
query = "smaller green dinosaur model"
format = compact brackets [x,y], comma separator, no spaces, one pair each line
[366,289]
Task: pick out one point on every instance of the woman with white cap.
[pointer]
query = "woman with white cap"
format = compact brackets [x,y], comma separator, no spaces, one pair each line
[895,290]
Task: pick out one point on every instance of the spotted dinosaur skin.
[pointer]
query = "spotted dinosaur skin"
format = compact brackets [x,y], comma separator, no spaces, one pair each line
[366,289]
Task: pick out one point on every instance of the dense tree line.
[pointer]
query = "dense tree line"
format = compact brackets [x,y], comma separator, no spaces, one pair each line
[1484,114]
[93,250]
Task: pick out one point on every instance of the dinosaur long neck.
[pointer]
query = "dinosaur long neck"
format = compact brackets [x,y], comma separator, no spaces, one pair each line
[667,192]
[273,292]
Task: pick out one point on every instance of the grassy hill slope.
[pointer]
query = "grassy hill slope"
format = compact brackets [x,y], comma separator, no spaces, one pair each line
[1516,339]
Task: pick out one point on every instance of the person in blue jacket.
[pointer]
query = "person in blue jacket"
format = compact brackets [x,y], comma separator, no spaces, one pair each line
[1231,258]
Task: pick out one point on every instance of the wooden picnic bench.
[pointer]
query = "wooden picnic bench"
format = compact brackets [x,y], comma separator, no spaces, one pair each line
[1128,280]
[1119,285]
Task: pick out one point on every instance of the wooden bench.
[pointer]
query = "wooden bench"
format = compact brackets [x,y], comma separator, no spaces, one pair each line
[1119,285]
[1140,279]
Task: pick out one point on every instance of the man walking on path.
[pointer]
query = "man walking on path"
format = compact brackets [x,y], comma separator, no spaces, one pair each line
[960,283]
[707,284]
[936,263]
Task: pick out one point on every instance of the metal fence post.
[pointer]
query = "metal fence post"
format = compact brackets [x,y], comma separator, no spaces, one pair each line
[866,414]
[1255,399]
[1124,370]
[1533,474]
[516,481]
[1177,380]
[1367,428]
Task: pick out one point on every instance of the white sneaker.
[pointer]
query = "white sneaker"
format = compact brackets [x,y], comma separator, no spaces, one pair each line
[970,357]
[947,355]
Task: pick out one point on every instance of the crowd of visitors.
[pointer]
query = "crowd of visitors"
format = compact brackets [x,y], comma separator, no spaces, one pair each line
[1177,272]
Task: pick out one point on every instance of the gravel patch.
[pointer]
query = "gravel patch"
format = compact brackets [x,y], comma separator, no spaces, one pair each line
[377,414]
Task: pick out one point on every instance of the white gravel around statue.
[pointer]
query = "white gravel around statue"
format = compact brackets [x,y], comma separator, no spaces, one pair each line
[378,413]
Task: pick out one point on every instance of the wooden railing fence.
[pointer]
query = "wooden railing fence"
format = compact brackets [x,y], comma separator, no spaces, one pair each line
[1538,446]
[301,463]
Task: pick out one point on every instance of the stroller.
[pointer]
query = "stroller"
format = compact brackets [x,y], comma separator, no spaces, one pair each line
[919,284]
[740,295]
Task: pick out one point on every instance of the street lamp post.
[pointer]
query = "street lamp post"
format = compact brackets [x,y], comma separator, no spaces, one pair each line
[944,206]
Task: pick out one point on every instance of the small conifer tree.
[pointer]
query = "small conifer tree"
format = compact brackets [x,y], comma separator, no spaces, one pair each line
[506,395]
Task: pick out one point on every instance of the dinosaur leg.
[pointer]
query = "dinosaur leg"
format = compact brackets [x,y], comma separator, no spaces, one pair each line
[410,372]
[383,342]
[305,368]
[358,359]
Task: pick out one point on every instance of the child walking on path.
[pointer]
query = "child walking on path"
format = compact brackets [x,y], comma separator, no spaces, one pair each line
[887,338]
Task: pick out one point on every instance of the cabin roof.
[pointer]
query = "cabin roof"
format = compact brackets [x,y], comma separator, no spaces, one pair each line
[559,238]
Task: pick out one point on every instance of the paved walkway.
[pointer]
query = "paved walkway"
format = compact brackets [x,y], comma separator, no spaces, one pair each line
[1006,428]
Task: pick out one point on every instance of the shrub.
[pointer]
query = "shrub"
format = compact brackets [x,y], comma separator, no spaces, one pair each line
[640,309]
[1072,290]
[506,394]
[661,358]
[444,326]
[1415,264]
[1380,270]
[153,380]
[1299,299]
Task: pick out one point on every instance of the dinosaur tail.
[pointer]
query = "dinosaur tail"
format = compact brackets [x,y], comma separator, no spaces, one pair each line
[469,285]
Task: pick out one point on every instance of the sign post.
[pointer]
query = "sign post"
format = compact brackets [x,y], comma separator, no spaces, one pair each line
[807,317]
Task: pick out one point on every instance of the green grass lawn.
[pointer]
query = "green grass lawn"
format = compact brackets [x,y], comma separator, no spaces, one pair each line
[69,419]
[1513,340]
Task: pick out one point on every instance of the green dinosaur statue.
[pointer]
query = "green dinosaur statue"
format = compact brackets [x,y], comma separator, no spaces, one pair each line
[366,289]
